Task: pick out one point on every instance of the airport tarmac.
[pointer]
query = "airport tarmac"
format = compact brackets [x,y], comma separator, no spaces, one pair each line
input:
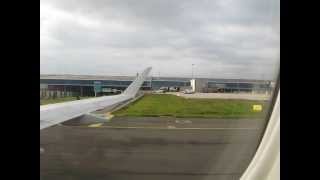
[243,96]
[149,148]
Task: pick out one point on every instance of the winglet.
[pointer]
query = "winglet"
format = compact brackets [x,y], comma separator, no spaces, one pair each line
[134,87]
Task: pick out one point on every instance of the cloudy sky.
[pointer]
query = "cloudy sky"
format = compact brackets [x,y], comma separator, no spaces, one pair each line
[223,38]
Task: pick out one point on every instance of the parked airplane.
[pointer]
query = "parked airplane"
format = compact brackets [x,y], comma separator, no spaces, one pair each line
[53,114]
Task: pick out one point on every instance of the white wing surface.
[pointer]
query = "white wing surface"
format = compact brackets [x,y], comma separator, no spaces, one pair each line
[53,114]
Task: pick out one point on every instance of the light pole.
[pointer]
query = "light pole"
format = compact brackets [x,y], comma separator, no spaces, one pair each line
[192,70]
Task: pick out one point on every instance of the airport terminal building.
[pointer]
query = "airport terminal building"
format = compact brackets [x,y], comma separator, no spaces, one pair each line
[88,85]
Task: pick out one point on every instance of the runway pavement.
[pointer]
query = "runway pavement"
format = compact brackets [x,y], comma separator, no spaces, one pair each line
[244,96]
[149,148]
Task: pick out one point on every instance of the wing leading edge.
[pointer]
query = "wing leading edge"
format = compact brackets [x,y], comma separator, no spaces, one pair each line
[57,113]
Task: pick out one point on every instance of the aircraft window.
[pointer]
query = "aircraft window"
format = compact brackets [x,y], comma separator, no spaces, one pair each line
[198,112]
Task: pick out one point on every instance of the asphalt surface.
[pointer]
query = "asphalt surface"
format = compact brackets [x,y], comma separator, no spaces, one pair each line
[149,148]
[244,96]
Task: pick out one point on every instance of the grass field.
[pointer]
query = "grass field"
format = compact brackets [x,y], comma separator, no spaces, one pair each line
[58,100]
[171,105]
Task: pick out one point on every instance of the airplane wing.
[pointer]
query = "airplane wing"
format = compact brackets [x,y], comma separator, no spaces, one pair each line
[53,114]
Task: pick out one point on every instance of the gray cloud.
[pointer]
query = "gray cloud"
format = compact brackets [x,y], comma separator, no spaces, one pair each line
[224,38]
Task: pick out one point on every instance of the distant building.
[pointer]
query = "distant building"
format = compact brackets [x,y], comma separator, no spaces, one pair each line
[199,85]
[230,85]
[84,85]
